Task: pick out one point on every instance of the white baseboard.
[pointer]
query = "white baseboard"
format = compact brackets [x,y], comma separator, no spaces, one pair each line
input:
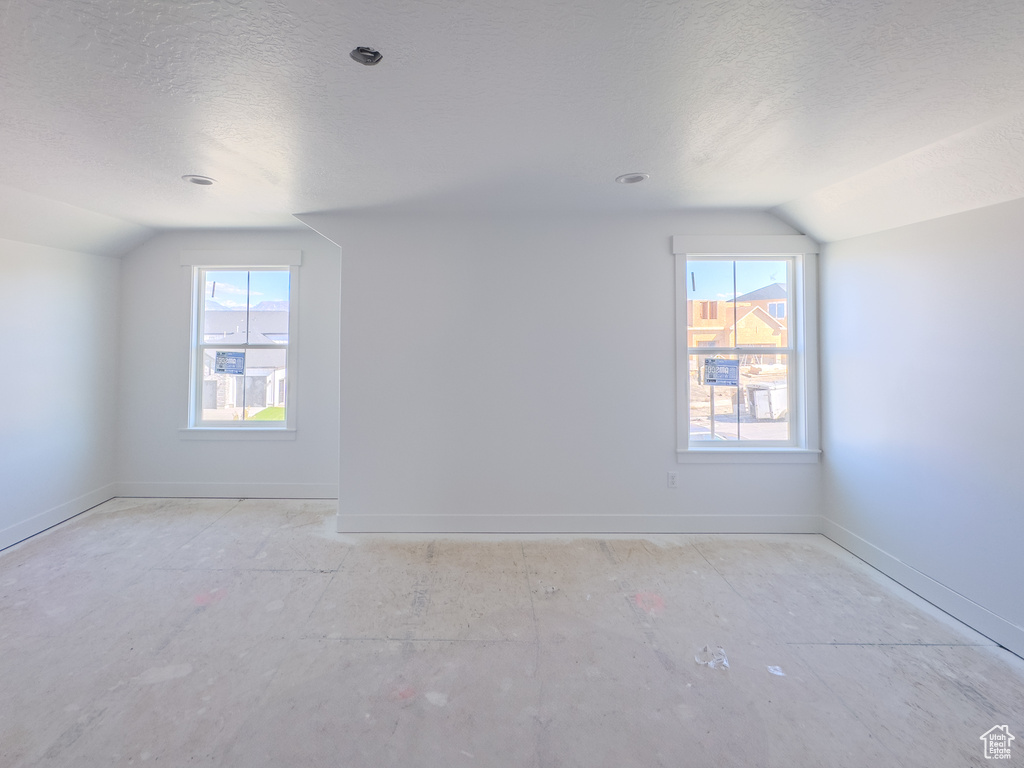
[982,620]
[583,524]
[51,517]
[229,490]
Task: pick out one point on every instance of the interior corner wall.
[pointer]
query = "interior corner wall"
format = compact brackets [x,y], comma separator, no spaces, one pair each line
[922,373]
[155,456]
[516,373]
[59,310]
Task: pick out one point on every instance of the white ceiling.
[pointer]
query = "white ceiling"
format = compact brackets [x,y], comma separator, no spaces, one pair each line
[843,116]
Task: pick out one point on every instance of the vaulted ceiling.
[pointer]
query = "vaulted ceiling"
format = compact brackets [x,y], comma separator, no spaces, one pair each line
[841,116]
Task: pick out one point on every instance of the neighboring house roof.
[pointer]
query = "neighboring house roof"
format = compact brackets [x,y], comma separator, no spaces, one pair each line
[769,292]
[763,317]
[228,326]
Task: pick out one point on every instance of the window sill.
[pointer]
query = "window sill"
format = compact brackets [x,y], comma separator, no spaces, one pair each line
[748,456]
[230,433]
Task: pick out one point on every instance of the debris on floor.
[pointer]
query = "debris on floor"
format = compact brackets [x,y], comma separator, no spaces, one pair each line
[715,659]
[777,671]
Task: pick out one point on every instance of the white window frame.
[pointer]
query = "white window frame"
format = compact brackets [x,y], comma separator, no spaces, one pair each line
[197,263]
[803,446]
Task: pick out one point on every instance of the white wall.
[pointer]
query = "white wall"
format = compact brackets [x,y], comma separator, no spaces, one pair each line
[923,392]
[59,313]
[156,458]
[518,374]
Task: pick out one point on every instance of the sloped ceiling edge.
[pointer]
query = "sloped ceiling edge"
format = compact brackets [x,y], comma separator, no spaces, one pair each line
[30,218]
[974,169]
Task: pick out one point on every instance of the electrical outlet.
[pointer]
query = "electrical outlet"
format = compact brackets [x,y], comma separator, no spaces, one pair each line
[673,479]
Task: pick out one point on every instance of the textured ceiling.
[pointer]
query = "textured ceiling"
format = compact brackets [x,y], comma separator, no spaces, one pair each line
[842,116]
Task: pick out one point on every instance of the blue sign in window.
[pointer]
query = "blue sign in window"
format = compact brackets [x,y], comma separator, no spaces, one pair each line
[722,373]
[230,362]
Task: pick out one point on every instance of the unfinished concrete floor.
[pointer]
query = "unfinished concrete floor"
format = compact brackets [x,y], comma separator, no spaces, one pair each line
[247,633]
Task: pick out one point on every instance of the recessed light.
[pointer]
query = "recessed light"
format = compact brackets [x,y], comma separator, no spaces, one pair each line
[203,181]
[366,55]
[632,178]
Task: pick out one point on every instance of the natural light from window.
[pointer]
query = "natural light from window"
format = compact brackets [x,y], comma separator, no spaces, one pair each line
[739,349]
[242,352]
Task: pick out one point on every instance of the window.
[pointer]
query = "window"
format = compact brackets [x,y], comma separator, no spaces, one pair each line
[753,397]
[243,330]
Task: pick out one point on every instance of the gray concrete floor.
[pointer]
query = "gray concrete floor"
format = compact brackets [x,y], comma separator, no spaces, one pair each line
[247,633]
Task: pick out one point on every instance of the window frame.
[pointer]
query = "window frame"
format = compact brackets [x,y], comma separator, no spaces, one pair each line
[803,445]
[198,263]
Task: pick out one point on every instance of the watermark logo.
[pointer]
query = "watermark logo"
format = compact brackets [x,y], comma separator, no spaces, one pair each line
[997,742]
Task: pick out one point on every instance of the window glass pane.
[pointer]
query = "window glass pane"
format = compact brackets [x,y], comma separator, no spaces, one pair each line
[268,307]
[713,409]
[222,390]
[764,392]
[761,303]
[256,394]
[265,384]
[757,408]
[709,308]
[226,297]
